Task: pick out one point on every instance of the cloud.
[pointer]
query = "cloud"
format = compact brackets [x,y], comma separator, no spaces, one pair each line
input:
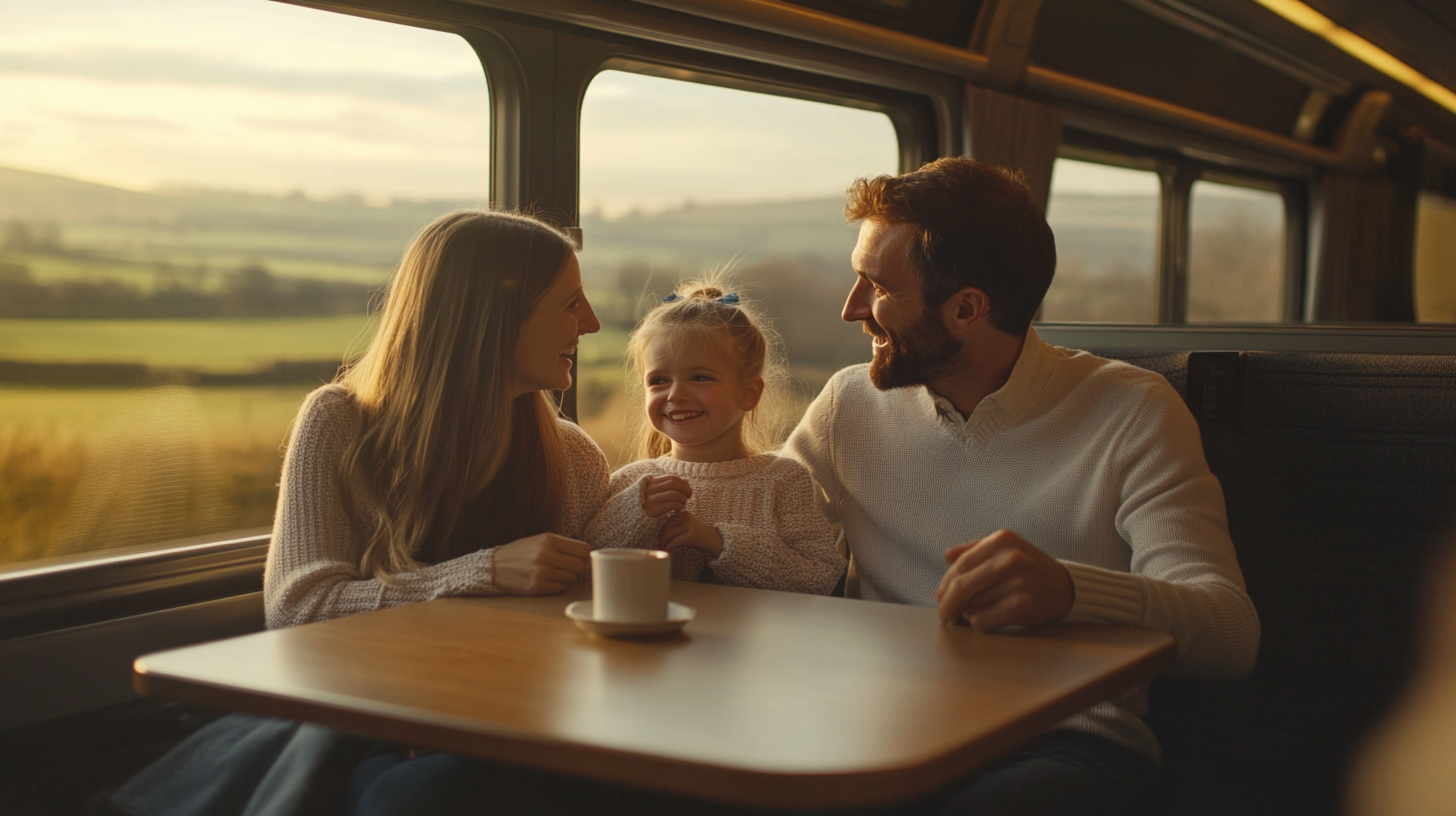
[119,64]
[100,121]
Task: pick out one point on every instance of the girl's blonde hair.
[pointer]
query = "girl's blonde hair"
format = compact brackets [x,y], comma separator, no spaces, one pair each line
[709,309]
[437,420]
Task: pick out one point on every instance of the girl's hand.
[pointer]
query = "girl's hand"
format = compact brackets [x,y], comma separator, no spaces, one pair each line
[663,495]
[685,530]
[542,564]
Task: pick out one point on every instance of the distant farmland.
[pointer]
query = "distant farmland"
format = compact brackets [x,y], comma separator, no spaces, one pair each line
[212,313]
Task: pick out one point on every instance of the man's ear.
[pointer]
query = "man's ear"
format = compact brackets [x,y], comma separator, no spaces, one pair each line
[752,393]
[966,308]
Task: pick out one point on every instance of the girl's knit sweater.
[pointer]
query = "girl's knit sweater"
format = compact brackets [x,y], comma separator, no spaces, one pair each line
[774,536]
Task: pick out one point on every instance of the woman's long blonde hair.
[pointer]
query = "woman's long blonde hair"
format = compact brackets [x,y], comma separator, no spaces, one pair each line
[707,309]
[437,422]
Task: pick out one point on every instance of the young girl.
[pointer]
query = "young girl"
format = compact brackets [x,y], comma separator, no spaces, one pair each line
[705,490]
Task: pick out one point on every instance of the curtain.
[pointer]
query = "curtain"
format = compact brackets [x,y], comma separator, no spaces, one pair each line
[1017,133]
[1363,266]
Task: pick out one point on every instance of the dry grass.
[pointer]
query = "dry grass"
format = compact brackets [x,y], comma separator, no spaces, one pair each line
[84,470]
[37,479]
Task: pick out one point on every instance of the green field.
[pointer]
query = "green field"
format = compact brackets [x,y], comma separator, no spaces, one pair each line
[145,269]
[88,468]
[209,345]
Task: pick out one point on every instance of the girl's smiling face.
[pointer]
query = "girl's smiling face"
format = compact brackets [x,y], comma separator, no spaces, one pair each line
[697,397]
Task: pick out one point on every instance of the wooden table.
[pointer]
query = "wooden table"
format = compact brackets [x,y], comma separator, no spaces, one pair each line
[767,698]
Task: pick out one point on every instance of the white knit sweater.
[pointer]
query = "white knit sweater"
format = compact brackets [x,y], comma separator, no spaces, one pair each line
[313,563]
[1098,463]
[774,536]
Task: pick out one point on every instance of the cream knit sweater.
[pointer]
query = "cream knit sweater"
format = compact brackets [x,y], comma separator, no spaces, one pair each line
[774,536]
[313,563]
[1098,463]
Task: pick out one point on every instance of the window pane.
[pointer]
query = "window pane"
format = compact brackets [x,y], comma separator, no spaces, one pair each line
[1106,225]
[678,179]
[197,198]
[1435,261]
[1235,254]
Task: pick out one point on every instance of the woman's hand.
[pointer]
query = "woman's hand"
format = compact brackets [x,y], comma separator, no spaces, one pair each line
[542,564]
[685,530]
[664,495]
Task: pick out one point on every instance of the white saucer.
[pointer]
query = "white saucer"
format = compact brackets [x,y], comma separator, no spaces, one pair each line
[678,616]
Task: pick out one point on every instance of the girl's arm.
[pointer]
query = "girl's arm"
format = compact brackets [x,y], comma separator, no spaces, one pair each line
[621,523]
[793,550]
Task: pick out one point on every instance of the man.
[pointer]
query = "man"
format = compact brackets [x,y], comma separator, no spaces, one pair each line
[977,469]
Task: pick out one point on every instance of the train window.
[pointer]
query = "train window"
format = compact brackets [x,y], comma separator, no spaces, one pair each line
[197,201]
[1235,254]
[1435,259]
[679,178]
[1106,223]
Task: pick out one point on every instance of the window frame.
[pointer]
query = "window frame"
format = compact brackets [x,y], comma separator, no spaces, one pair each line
[1177,174]
[45,598]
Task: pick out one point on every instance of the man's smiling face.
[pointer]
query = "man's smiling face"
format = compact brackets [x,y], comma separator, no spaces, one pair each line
[911,343]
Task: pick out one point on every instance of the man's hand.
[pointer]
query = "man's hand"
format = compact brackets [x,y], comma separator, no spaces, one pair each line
[542,564]
[685,530]
[1003,579]
[664,495]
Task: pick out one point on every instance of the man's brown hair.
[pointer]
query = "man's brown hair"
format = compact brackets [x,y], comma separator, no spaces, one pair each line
[975,225]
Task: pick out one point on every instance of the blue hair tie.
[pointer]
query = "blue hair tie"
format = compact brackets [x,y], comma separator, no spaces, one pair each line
[731,298]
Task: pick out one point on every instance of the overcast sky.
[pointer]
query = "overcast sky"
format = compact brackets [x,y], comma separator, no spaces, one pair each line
[259,95]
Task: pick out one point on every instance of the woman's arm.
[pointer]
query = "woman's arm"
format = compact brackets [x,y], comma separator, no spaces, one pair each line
[313,562]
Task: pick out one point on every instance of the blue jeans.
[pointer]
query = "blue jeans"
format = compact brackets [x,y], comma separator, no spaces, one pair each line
[1061,773]
[1066,773]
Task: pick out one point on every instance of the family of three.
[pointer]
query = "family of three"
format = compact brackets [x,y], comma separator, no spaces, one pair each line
[970,466]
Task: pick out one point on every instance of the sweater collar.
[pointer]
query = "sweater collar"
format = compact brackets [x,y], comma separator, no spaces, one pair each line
[730,469]
[1001,408]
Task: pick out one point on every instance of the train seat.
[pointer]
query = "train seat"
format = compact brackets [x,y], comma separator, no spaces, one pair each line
[1339,472]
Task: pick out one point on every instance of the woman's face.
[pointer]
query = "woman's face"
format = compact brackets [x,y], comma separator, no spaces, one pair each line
[548,337]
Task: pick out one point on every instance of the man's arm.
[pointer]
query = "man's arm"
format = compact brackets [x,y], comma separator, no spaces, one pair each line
[1184,579]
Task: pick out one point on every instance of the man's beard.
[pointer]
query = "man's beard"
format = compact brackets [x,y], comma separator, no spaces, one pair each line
[920,355]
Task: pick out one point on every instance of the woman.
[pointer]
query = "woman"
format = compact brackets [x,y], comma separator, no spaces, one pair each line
[435,466]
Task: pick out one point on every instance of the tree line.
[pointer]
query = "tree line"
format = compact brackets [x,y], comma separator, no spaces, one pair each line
[250,290]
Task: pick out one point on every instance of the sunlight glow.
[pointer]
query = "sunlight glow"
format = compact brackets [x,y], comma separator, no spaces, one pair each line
[1361,49]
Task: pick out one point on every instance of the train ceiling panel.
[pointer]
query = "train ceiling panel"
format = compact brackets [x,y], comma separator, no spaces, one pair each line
[951,23]
[1420,33]
[1112,43]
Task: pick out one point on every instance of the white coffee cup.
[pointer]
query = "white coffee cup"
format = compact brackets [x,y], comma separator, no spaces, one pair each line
[630,586]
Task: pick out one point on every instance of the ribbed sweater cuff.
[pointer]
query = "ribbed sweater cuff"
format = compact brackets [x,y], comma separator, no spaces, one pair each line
[1105,596]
